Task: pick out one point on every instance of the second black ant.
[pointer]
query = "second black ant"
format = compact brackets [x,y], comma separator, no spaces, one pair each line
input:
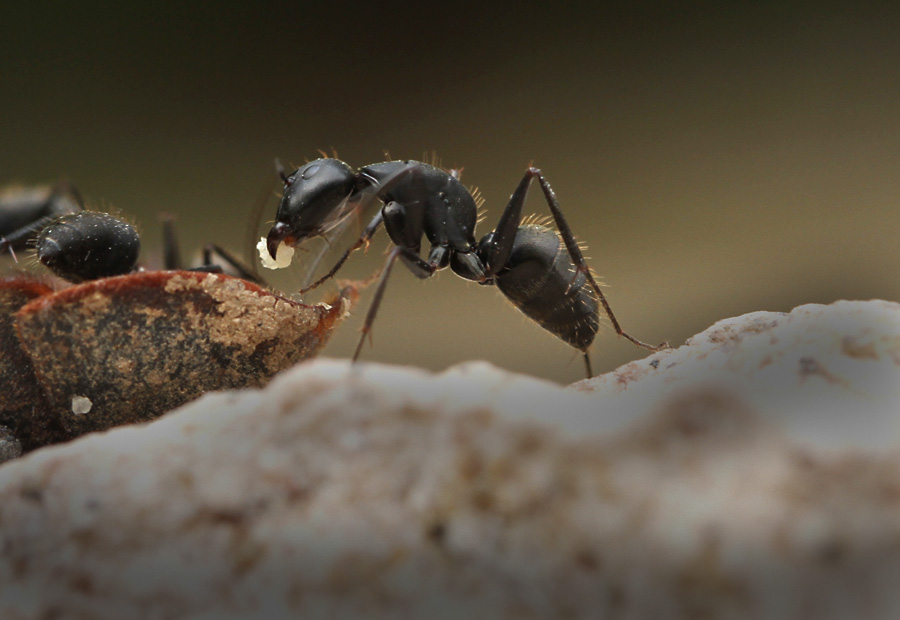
[80,245]
[541,271]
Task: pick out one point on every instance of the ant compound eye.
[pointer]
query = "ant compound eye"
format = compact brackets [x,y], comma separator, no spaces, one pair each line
[309,171]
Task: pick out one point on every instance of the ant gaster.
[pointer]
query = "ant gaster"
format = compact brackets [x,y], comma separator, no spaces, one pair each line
[541,271]
[77,245]
[88,245]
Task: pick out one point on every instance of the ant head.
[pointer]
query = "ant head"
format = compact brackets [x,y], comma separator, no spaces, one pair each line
[314,201]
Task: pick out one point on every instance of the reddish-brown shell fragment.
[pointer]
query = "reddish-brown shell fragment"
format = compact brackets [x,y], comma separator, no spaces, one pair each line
[128,349]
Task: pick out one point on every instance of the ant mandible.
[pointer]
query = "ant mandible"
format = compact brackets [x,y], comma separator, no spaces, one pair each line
[541,271]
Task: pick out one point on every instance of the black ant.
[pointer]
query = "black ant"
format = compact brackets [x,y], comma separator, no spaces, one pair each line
[541,271]
[80,245]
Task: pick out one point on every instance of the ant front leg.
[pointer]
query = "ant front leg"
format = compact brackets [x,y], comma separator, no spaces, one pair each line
[172,256]
[372,193]
[239,268]
[420,268]
[364,239]
[504,236]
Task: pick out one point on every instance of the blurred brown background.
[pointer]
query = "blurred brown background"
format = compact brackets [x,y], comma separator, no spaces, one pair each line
[715,160]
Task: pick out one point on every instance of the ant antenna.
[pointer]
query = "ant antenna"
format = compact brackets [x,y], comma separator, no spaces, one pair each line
[279,169]
[256,217]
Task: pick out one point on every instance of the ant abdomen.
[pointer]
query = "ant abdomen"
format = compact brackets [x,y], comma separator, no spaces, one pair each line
[540,279]
[88,245]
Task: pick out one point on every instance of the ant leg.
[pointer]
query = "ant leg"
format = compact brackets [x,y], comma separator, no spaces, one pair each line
[363,240]
[51,210]
[578,258]
[376,300]
[13,238]
[171,250]
[505,234]
[367,197]
[172,255]
[420,268]
[240,268]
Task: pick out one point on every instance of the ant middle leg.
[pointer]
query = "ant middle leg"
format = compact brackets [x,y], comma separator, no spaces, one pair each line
[376,301]
[420,268]
[172,255]
[243,271]
[171,247]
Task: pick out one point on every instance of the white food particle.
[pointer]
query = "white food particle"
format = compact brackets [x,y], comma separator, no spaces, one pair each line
[283,255]
[81,404]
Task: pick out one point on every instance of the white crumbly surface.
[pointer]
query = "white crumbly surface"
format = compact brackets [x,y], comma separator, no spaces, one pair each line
[752,486]
[283,255]
[803,371]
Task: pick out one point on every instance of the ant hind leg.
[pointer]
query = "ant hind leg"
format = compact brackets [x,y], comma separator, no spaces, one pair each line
[578,258]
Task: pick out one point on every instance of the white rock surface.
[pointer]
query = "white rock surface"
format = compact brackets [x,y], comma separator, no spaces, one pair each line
[808,371]
[754,473]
